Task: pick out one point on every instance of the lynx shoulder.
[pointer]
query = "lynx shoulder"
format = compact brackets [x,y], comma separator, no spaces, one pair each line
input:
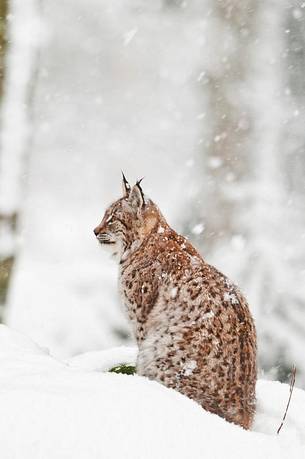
[193,326]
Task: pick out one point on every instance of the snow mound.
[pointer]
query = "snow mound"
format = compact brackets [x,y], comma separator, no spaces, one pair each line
[104,360]
[54,410]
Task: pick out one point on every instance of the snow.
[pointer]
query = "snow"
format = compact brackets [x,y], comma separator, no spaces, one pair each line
[198,229]
[128,36]
[173,292]
[231,298]
[208,315]
[55,410]
[189,367]
[104,360]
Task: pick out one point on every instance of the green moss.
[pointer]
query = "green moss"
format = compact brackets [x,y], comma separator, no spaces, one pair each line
[124,369]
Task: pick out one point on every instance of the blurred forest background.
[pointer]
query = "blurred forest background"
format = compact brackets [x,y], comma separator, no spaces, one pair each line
[206,99]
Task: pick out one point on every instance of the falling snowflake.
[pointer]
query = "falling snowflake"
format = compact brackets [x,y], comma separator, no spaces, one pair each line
[198,229]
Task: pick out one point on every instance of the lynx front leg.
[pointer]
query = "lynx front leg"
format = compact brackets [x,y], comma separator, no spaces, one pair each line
[140,290]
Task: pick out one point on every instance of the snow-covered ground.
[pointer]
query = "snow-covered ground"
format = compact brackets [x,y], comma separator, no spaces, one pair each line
[56,410]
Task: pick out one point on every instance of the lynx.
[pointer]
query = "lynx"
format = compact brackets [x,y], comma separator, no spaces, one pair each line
[193,326]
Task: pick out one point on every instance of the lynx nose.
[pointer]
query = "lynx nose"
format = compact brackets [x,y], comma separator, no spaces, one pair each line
[96,231]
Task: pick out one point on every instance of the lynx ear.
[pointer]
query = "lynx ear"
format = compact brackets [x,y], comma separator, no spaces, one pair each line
[136,197]
[125,185]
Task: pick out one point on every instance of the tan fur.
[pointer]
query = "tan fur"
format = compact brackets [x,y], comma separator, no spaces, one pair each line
[193,326]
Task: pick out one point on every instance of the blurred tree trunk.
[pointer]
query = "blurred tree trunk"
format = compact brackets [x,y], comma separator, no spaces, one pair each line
[288,317]
[16,89]
[3,14]
[227,122]
[245,215]
[273,262]
[5,220]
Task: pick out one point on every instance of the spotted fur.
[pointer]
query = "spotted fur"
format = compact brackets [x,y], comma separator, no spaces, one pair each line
[193,326]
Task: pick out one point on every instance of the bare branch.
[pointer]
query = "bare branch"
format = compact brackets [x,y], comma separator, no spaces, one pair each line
[292,382]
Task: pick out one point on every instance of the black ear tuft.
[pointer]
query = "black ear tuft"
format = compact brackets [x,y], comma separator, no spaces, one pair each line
[138,184]
[125,185]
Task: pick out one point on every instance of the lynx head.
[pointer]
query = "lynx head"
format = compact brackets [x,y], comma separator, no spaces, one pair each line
[127,221]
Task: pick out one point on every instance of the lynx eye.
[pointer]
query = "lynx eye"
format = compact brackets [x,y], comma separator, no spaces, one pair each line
[109,219]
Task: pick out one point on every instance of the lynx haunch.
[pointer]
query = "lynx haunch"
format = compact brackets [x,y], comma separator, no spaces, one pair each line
[193,326]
